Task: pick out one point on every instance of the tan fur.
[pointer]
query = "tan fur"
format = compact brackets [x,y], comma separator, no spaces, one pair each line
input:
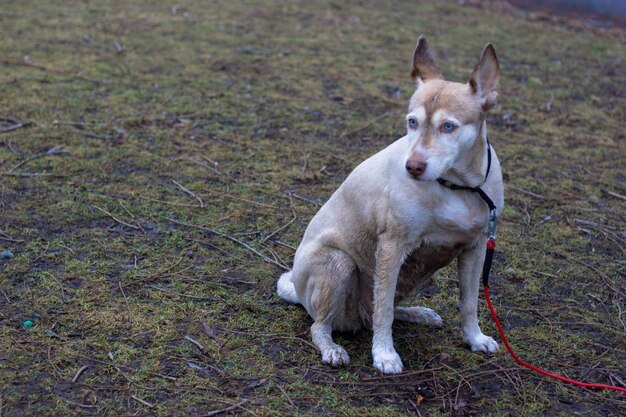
[387,229]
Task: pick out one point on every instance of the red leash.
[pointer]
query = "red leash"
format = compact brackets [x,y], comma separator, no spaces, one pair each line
[491,245]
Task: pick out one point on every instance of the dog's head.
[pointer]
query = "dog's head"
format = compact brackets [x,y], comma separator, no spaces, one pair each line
[445,119]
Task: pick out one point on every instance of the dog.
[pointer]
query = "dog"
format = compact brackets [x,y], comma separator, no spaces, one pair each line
[393,222]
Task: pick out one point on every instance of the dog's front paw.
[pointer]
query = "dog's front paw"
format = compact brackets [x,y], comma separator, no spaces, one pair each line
[335,357]
[388,362]
[482,343]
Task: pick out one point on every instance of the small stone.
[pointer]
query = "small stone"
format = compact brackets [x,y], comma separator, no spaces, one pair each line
[444,357]
[7,254]
[511,272]
[27,324]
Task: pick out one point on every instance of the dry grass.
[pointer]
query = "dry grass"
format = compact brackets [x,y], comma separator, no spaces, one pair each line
[242,117]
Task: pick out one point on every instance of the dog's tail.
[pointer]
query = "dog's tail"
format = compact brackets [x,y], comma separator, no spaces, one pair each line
[286,289]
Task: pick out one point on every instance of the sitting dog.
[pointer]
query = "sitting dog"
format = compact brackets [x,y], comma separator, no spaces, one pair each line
[401,215]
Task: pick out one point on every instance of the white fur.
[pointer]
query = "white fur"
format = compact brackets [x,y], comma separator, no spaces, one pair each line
[286,290]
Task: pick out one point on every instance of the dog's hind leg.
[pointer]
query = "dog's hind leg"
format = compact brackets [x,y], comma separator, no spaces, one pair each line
[330,298]
[421,315]
[332,353]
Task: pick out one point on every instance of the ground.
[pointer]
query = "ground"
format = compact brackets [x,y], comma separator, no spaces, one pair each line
[160,162]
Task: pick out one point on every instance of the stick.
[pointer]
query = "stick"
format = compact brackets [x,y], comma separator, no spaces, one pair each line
[299,197]
[224,410]
[80,371]
[115,218]
[15,126]
[364,126]
[146,403]
[195,342]
[131,215]
[286,396]
[189,192]
[193,297]
[616,195]
[609,283]
[285,225]
[245,245]
[119,284]
[521,190]
[56,150]
[53,70]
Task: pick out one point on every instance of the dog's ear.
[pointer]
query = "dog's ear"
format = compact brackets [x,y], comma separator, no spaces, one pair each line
[484,79]
[424,67]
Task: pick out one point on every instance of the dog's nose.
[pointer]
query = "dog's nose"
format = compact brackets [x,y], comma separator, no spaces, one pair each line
[415,168]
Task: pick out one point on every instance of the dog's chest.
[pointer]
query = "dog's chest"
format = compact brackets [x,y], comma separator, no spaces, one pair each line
[445,219]
[458,221]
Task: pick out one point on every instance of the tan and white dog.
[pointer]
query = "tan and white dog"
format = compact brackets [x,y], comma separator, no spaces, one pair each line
[391,225]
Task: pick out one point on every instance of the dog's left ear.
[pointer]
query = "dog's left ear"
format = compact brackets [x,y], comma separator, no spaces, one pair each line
[484,79]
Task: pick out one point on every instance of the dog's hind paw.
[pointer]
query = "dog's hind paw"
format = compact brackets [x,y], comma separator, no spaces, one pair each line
[335,357]
[422,315]
[482,343]
[388,363]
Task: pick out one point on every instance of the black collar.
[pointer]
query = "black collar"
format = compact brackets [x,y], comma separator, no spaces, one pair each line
[478,190]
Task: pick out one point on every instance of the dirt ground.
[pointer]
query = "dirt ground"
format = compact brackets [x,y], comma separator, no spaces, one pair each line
[159,163]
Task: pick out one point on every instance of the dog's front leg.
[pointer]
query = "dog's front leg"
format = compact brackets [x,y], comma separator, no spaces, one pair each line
[389,257]
[469,267]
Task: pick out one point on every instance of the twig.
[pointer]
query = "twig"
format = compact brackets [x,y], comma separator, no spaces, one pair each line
[131,215]
[115,218]
[286,396]
[287,245]
[364,126]
[56,150]
[195,342]
[299,197]
[597,225]
[165,202]
[29,174]
[272,336]
[415,408]
[16,125]
[93,135]
[10,239]
[78,404]
[604,277]
[26,63]
[215,165]
[146,403]
[224,410]
[80,371]
[521,190]
[238,198]
[619,315]
[189,192]
[193,297]
[119,284]
[245,245]
[285,225]
[159,274]
[616,195]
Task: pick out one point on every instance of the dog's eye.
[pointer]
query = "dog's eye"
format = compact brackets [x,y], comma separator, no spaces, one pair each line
[412,122]
[448,127]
